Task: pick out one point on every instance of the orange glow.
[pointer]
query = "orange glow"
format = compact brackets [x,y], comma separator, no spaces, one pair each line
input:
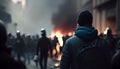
[58,50]
[58,47]
[105,32]
[59,36]
[59,57]
[70,33]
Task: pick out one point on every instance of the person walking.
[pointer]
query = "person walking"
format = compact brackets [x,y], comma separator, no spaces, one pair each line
[43,48]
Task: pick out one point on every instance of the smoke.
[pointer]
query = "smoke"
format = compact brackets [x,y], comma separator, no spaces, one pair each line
[49,14]
[64,19]
[36,15]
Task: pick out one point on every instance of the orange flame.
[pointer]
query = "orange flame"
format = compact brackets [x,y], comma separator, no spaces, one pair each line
[59,36]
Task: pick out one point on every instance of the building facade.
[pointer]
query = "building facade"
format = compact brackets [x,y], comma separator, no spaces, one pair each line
[118,16]
[104,12]
[84,5]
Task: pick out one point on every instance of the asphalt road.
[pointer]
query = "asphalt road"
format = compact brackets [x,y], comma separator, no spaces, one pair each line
[52,64]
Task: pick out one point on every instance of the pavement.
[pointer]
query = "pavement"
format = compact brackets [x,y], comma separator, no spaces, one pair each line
[52,64]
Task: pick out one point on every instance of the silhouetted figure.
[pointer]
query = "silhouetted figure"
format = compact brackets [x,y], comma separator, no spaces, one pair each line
[118,45]
[33,52]
[43,48]
[85,50]
[51,49]
[111,41]
[117,38]
[102,35]
[24,47]
[6,61]
[28,48]
[36,57]
[10,44]
[10,40]
[64,40]
[19,46]
[54,44]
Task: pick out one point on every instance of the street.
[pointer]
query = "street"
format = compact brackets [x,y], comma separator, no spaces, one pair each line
[52,64]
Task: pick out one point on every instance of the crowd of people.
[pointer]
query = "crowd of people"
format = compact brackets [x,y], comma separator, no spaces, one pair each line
[84,50]
[25,48]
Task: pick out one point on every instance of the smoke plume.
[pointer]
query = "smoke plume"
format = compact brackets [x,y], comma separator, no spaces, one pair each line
[64,19]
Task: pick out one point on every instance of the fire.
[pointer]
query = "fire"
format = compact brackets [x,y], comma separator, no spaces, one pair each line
[58,47]
[59,36]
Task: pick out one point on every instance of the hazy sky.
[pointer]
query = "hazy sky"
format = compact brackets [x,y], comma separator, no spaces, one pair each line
[36,15]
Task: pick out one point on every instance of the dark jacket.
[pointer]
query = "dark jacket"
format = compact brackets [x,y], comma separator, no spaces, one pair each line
[43,45]
[74,44]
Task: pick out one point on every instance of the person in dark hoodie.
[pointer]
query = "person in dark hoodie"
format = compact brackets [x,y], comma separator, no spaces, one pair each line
[6,61]
[42,49]
[84,35]
[111,41]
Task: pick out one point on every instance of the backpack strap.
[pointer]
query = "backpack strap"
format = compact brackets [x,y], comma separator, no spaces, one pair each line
[88,46]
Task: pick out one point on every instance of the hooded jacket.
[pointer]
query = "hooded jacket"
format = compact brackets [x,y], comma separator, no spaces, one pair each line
[85,34]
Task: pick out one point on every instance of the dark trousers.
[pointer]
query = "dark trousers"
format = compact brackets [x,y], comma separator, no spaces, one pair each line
[43,61]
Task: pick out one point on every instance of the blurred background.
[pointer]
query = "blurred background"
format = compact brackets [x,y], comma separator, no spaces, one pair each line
[57,17]
[29,16]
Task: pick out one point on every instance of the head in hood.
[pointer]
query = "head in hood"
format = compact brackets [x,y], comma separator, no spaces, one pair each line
[109,32]
[85,31]
[85,18]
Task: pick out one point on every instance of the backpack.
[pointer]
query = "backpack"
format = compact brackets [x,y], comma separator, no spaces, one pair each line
[93,56]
